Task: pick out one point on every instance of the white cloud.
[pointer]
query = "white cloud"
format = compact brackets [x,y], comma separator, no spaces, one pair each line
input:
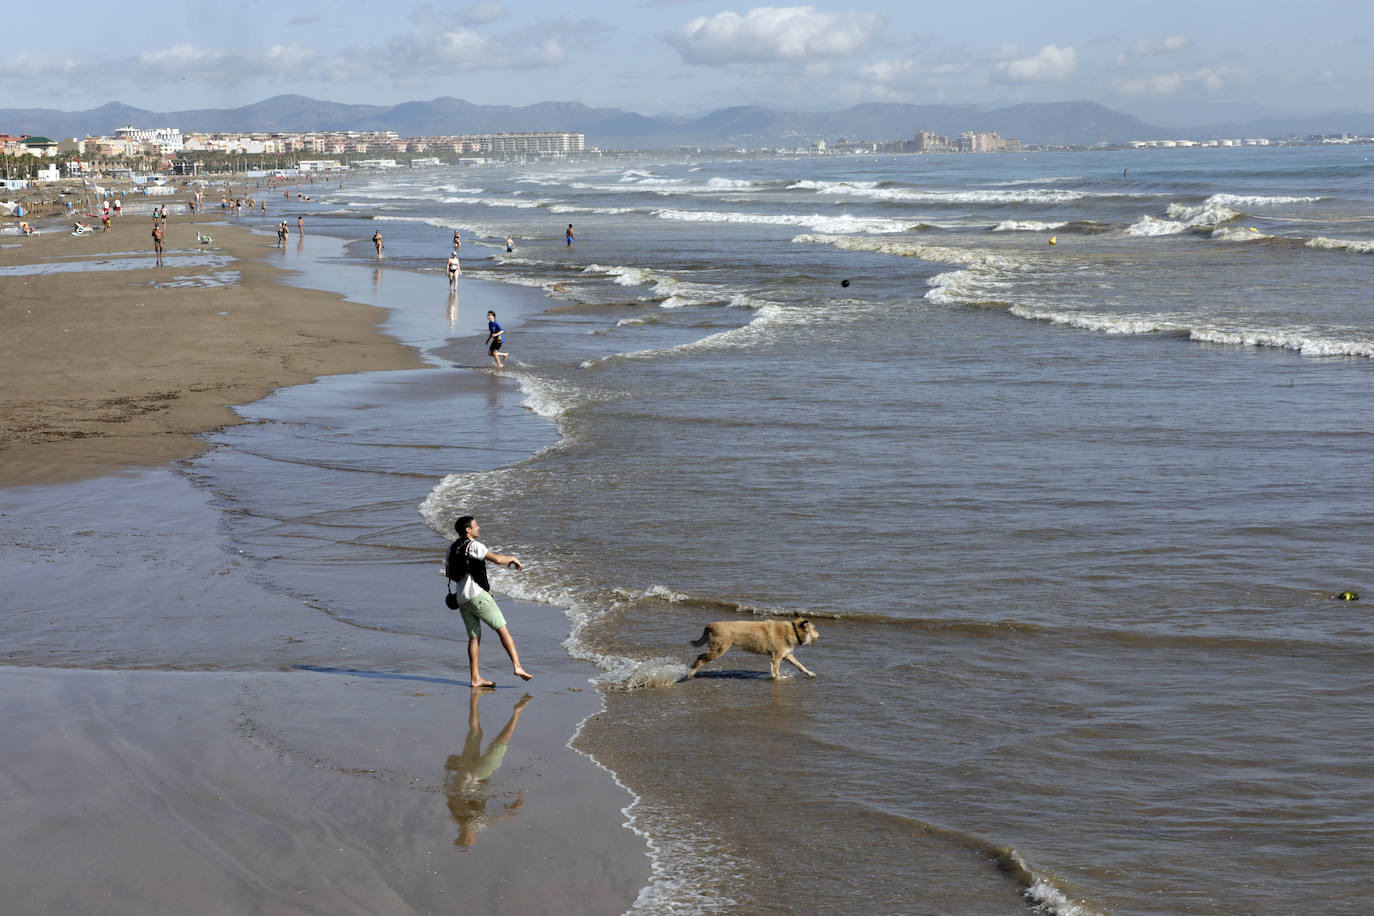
[770,34]
[1051,63]
[1205,78]
[888,72]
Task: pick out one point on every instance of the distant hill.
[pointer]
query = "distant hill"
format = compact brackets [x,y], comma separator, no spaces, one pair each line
[1039,124]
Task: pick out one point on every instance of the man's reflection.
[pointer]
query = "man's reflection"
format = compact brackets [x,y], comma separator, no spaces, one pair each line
[466,775]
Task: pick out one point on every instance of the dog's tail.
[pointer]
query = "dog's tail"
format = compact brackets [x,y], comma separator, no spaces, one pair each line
[705,635]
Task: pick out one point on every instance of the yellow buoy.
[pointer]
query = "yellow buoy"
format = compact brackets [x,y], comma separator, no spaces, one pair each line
[1348,596]
[1053,240]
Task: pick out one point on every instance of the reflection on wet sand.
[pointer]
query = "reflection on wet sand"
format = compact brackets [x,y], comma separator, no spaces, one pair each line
[466,776]
[452,312]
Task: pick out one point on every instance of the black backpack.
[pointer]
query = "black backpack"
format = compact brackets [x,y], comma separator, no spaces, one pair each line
[456,569]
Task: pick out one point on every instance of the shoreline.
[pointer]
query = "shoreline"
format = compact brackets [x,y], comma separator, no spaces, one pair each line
[111,362]
[283,753]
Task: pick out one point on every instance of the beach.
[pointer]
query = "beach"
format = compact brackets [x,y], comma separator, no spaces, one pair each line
[111,361]
[189,731]
[1073,522]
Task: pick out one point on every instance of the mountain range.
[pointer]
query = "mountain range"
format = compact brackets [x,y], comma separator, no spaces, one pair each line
[1039,124]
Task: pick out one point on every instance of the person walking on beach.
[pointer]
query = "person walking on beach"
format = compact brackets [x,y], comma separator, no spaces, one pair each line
[281,235]
[466,564]
[377,241]
[455,270]
[495,337]
[457,240]
[300,225]
[157,241]
[569,235]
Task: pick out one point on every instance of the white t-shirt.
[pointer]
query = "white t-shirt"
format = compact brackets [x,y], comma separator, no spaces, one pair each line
[478,551]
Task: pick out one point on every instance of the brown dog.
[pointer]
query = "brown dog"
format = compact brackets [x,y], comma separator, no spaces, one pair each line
[774,638]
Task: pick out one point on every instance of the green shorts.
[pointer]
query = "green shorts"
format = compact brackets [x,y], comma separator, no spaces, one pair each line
[480,609]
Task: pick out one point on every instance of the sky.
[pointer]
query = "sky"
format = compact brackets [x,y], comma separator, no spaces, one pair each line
[1171,63]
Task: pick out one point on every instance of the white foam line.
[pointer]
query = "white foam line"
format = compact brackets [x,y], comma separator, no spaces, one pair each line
[1351,245]
[1300,340]
[815,221]
[870,189]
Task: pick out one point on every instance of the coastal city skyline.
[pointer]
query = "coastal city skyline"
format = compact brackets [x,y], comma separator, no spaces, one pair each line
[1172,63]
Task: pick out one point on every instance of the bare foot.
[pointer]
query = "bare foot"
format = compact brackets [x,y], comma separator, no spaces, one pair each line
[483,682]
[523,674]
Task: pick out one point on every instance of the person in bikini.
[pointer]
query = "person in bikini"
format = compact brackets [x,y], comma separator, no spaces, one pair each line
[455,270]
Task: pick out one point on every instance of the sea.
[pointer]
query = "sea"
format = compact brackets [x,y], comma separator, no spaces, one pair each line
[1063,453]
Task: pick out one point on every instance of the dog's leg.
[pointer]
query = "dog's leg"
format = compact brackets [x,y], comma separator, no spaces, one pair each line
[713,652]
[799,665]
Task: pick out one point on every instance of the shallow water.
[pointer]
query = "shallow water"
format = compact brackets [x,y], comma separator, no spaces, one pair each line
[1070,516]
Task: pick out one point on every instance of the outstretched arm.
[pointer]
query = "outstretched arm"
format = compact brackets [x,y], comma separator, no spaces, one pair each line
[504,559]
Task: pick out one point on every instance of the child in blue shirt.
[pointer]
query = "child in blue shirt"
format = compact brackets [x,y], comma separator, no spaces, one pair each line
[494,335]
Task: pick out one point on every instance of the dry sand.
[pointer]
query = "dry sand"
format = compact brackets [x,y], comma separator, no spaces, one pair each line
[121,364]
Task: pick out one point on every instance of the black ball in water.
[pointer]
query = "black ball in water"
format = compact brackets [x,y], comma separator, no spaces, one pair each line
[844,282]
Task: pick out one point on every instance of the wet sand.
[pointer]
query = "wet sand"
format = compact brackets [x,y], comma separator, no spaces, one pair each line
[107,360]
[185,733]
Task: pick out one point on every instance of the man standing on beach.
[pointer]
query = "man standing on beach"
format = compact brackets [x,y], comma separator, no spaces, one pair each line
[569,235]
[455,270]
[466,564]
[157,241]
[495,336]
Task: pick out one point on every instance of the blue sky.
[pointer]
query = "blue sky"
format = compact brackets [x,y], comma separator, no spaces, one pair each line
[1168,62]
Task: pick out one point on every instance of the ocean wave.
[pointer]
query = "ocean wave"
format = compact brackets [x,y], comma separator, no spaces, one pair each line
[472,230]
[603,211]
[672,292]
[497,202]
[1253,200]
[1239,234]
[1304,341]
[1209,214]
[1352,245]
[940,254]
[1300,340]
[877,191]
[816,222]
[1148,226]
[1026,225]
[766,315]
